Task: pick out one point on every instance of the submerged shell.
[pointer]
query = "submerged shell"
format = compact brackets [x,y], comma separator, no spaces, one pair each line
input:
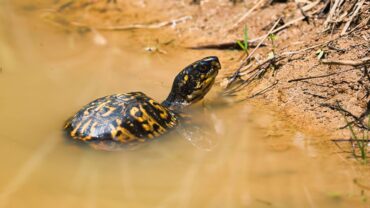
[121,118]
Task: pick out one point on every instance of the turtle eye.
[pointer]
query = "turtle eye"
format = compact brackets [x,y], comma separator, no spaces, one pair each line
[204,70]
[203,67]
[207,64]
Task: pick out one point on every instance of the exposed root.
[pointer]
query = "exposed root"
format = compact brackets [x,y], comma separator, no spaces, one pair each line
[358,121]
[247,60]
[361,62]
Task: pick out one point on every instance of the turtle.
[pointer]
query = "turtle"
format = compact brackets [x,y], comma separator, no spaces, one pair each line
[113,121]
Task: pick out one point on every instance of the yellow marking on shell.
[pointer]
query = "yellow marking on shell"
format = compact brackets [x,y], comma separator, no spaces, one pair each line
[163,114]
[149,127]
[133,111]
[93,126]
[119,122]
[150,136]
[125,134]
[85,126]
[73,132]
[111,109]
[202,76]
[171,124]
[86,112]
[125,98]
[156,134]
[146,127]
[186,77]
[86,138]
[101,105]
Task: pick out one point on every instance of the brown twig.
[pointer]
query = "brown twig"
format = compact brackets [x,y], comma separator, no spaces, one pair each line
[331,46]
[316,77]
[264,90]
[331,13]
[355,13]
[310,48]
[147,26]
[310,6]
[236,74]
[266,61]
[65,5]
[360,26]
[314,95]
[286,25]
[360,62]
[246,14]
[355,181]
[339,147]
[224,46]
[258,71]
[350,140]
[366,112]
[357,120]
[302,50]
[303,13]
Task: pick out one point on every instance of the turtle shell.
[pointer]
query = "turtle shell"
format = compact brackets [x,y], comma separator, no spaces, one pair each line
[121,118]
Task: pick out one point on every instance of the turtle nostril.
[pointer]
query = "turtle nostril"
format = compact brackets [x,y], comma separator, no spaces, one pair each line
[216,65]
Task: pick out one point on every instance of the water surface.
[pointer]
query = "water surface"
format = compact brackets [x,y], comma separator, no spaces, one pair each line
[257,159]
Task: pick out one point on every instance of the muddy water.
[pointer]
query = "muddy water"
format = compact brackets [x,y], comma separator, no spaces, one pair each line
[256,159]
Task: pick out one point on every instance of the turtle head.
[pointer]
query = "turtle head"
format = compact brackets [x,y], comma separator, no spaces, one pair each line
[193,82]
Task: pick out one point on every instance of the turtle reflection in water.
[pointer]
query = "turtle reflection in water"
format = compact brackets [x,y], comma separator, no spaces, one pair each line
[109,122]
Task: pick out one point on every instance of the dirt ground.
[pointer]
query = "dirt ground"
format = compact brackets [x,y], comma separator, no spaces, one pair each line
[314,68]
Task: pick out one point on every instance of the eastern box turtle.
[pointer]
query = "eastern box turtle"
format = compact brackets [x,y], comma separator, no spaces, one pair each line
[111,121]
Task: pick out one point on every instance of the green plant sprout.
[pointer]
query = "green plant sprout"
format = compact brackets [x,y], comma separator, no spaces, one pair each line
[272,37]
[361,142]
[320,54]
[245,45]
[271,55]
